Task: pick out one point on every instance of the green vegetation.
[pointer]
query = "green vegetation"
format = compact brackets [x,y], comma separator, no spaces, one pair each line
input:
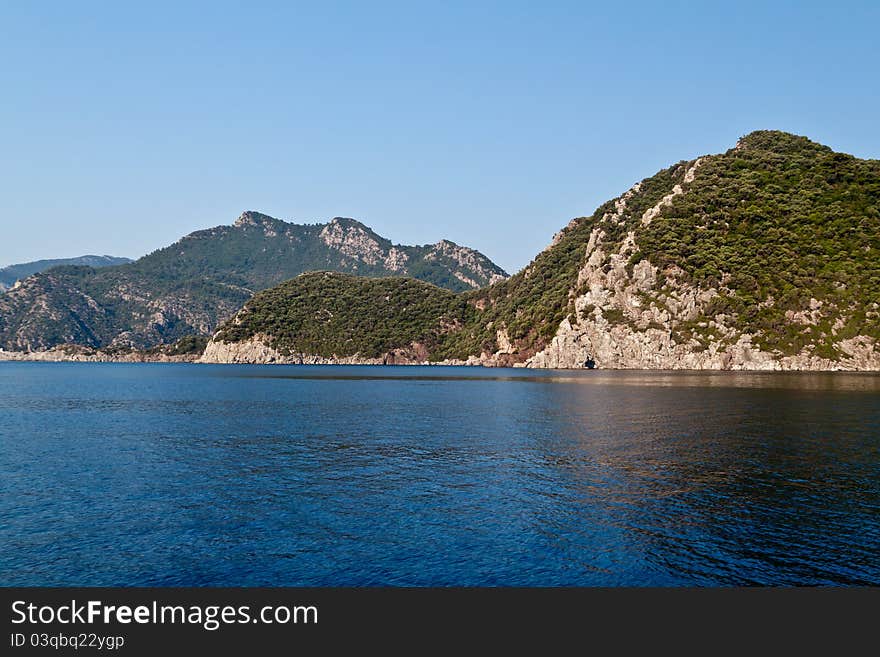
[332,314]
[779,218]
[189,345]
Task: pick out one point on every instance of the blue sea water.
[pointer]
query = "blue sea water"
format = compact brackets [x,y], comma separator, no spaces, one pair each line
[154,474]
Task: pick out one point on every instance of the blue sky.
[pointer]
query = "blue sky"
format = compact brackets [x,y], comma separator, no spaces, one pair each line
[124,126]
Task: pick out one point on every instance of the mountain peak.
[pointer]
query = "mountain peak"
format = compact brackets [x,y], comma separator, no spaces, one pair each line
[777,141]
[253,218]
[348,222]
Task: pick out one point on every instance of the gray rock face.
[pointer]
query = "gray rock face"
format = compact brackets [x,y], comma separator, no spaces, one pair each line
[468,266]
[257,351]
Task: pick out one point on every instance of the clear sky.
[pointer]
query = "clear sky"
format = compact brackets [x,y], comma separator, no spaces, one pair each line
[124,126]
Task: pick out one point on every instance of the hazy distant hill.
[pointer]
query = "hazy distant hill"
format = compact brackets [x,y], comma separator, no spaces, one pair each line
[189,287]
[9,275]
[763,257]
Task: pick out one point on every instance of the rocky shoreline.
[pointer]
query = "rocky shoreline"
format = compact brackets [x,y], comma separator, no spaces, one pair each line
[570,349]
[60,355]
[743,359]
[256,351]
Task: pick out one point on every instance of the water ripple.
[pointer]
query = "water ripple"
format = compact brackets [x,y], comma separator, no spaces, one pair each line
[201,475]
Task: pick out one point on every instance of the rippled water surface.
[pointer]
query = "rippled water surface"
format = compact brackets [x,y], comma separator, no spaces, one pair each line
[116,474]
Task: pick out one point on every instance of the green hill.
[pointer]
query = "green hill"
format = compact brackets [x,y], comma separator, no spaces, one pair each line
[331,313]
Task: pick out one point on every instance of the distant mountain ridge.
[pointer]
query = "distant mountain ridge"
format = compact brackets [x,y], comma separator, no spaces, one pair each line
[199,281]
[12,273]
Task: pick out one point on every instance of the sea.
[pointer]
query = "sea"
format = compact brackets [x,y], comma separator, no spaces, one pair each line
[118,474]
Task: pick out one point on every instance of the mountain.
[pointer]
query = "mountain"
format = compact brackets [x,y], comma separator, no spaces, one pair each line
[764,257]
[9,275]
[204,278]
